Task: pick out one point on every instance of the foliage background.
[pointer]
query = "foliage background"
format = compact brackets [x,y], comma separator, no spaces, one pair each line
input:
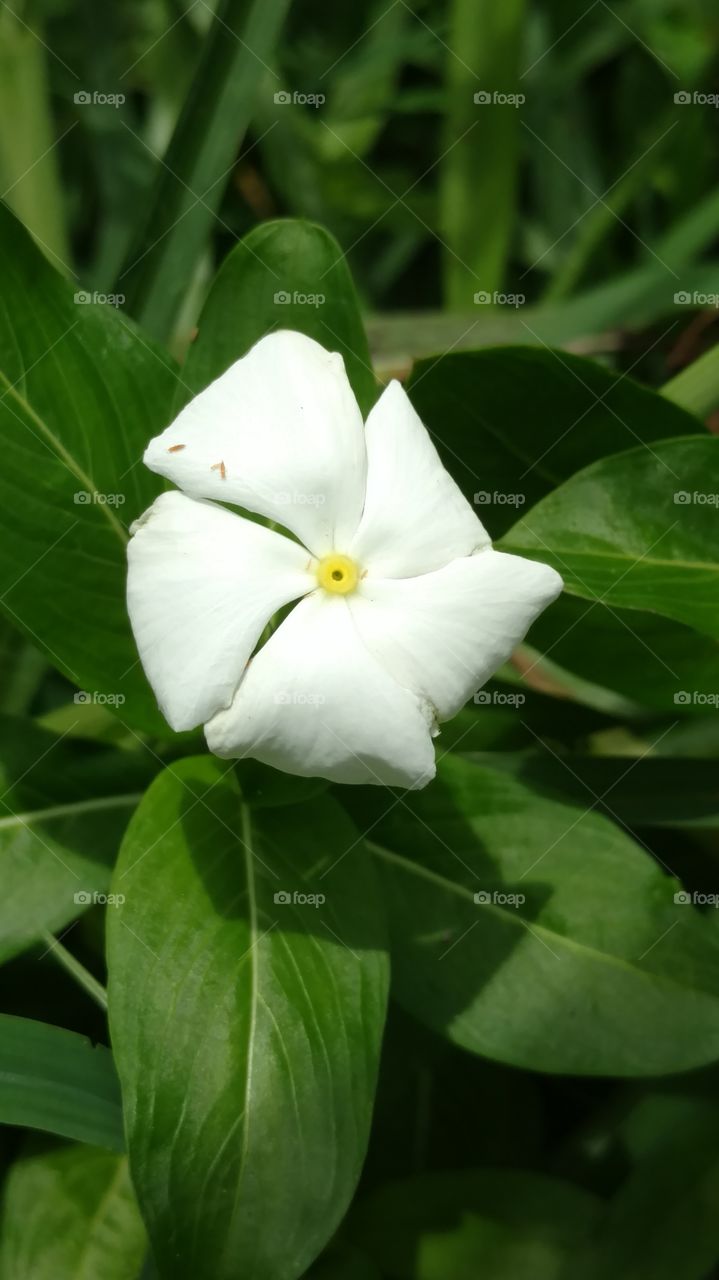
[545,274]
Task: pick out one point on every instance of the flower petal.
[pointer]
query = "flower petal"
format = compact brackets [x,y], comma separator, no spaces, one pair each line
[314,702]
[443,634]
[415,517]
[202,584]
[279,433]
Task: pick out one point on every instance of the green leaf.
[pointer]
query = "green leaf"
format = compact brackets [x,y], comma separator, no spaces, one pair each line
[70,1213]
[629,301]
[248,1068]
[283,275]
[697,387]
[182,208]
[511,423]
[32,189]
[638,530]
[500,1224]
[63,810]
[82,393]
[649,659]
[57,1081]
[483,137]
[576,958]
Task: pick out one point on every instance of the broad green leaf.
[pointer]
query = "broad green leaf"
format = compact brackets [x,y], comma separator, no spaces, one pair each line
[650,660]
[500,1224]
[637,530]
[192,175]
[575,958]
[511,423]
[248,1068]
[57,1081]
[63,809]
[82,393]
[70,1213]
[283,275]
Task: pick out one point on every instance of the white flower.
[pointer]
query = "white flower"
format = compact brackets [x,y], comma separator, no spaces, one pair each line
[404,607]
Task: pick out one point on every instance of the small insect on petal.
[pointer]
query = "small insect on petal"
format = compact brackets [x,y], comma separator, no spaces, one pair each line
[220,466]
[175,448]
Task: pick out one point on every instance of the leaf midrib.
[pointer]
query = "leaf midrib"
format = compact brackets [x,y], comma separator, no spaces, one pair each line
[64,455]
[707,565]
[69,809]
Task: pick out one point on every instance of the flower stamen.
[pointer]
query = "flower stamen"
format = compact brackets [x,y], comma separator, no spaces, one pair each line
[338,574]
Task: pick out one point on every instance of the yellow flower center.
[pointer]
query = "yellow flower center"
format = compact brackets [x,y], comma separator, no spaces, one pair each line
[338,574]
